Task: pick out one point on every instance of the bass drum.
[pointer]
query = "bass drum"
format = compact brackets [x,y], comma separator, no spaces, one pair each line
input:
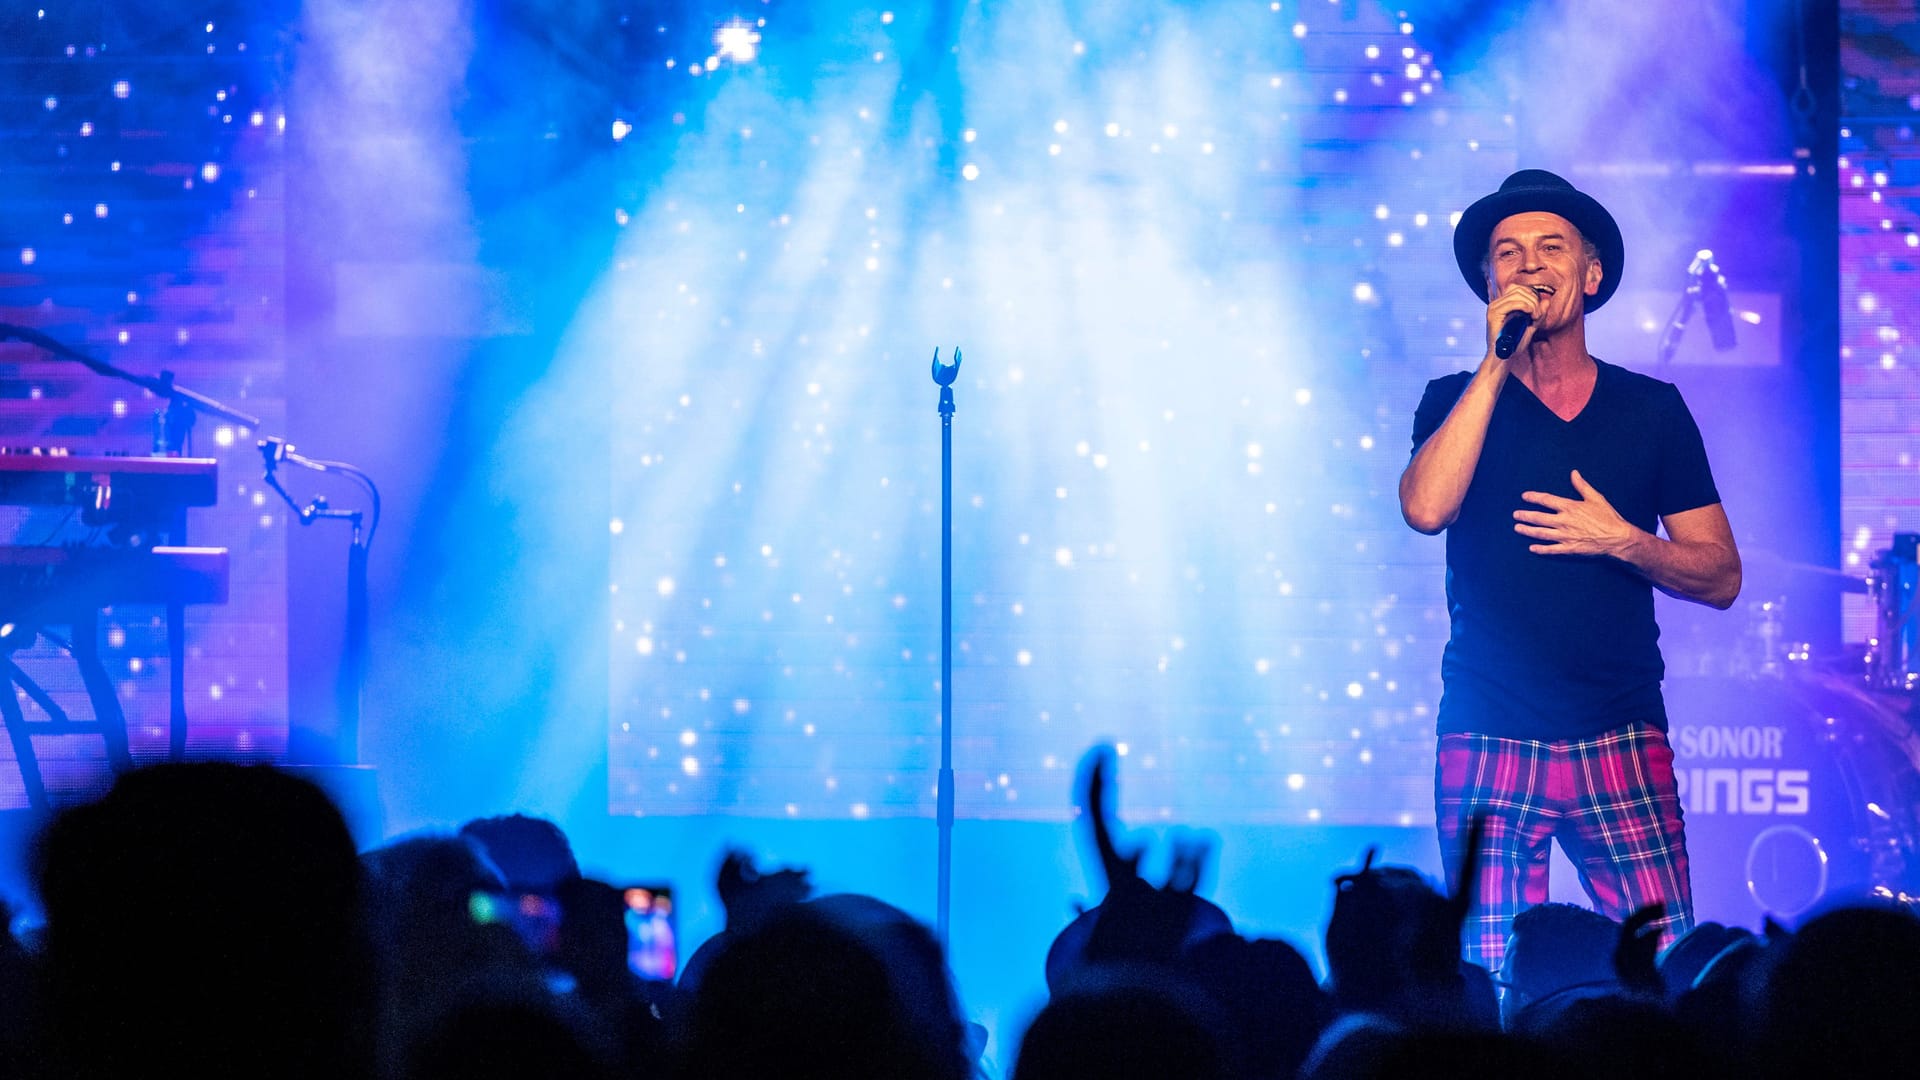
[1796,791]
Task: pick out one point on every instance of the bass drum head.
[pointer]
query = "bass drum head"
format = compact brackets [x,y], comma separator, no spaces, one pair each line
[1795,792]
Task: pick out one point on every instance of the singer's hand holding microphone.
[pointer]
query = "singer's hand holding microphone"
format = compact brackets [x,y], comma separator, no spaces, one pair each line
[1510,319]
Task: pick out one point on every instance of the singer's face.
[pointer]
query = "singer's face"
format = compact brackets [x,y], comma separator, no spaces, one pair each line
[1544,251]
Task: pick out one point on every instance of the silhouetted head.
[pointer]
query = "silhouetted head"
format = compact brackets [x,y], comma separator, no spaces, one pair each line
[1390,932]
[592,939]
[531,853]
[445,934]
[1362,1047]
[916,964]
[1267,995]
[1683,962]
[422,885]
[813,992]
[1841,995]
[1615,1034]
[1481,1056]
[1557,949]
[1355,1046]
[1135,922]
[1717,1009]
[503,1040]
[1119,1023]
[203,919]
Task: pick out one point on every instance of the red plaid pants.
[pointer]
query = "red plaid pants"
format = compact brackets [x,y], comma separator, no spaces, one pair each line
[1612,802]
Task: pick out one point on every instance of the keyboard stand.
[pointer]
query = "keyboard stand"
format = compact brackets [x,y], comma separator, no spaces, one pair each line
[108,721]
[22,738]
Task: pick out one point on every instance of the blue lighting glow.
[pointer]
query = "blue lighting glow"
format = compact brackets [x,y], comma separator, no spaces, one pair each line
[737,41]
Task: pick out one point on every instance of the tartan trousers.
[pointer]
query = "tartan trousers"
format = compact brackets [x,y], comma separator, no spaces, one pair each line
[1612,802]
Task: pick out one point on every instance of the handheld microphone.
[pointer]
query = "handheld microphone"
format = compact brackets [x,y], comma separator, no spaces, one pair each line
[1514,329]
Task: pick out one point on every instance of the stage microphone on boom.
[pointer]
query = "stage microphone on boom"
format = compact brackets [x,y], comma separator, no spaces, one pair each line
[1714,302]
[1706,290]
[1511,333]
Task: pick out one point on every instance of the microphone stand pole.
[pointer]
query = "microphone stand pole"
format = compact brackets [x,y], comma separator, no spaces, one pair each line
[944,375]
[350,689]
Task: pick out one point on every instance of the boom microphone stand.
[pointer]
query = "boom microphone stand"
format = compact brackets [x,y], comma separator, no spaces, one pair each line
[353,674]
[1706,290]
[943,376]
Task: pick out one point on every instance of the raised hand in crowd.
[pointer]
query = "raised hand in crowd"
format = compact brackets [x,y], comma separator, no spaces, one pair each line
[750,894]
[1393,946]
[1137,921]
[1636,954]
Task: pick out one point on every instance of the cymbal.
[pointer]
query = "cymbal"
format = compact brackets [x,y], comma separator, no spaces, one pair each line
[1852,581]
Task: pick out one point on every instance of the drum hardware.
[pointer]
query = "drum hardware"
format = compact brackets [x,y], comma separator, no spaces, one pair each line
[1898,896]
[1806,879]
[1763,645]
[1766,629]
[1799,790]
[1764,650]
[1893,653]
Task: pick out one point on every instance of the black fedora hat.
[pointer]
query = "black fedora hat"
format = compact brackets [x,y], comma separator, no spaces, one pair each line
[1539,190]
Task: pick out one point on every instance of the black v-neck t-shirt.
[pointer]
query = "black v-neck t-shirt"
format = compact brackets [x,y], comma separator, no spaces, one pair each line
[1556,647]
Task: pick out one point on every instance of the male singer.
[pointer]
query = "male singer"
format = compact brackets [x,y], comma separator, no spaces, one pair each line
[1551,472]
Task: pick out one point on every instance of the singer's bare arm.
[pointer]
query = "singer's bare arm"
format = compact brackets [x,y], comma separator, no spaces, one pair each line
[1697,561]
[1435,482]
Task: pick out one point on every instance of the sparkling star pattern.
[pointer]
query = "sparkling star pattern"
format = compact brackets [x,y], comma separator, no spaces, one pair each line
[1175,454]
[144,225]
[1879,315]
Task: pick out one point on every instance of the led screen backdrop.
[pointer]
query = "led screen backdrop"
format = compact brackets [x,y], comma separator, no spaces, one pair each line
[1198,261]
[1879,316]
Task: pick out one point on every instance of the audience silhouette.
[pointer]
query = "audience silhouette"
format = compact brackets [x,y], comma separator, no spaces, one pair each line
[202,920]
[213,920]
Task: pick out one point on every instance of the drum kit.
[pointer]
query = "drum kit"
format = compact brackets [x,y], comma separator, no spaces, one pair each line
[1800,774]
